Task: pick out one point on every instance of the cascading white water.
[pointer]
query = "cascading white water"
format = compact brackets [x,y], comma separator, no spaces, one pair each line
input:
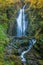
[21,23]
[21,31]
[32,42]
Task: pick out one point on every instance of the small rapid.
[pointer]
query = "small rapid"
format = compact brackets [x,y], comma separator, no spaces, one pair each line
[31,43]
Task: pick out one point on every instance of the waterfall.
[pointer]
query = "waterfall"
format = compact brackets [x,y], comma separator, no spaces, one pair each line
[21,31]
[21,23]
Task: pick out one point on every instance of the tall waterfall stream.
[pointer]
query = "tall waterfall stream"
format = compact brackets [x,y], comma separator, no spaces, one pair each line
[21,31]
[21,23]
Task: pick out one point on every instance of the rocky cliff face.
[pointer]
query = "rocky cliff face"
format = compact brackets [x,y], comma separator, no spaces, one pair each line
[12,14]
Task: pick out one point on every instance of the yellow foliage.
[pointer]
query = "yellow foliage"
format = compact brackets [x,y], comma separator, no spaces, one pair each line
[27,1]
[12,1]
[6,2]
[36,3]
[37,33]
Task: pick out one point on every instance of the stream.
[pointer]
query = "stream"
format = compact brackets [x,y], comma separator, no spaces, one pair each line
[31,43]
[21,23]
[21,31]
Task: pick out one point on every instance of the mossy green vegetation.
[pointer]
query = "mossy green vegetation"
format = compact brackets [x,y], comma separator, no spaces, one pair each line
[8,13]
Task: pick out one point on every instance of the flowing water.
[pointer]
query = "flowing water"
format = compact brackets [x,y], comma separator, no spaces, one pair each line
[32,42]
[21,31]
[21,23]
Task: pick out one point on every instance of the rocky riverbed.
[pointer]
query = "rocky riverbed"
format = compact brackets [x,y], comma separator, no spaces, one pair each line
[16,47]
